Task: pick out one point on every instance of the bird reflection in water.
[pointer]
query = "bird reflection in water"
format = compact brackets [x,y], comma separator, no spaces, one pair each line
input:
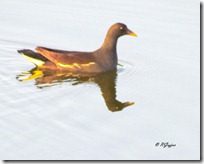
[106,82]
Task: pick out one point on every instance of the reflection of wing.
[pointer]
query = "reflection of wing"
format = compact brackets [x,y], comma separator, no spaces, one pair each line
[60,57]
[49,78]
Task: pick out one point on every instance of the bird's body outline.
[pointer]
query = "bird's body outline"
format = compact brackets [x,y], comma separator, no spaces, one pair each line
[101,60]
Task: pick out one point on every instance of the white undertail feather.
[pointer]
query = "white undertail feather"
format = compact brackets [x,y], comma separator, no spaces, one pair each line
[33,60]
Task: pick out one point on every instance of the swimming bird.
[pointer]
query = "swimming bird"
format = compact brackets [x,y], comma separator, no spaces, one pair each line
[102,60]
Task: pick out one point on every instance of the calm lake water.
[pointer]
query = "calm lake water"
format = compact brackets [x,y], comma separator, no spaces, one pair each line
[61,117]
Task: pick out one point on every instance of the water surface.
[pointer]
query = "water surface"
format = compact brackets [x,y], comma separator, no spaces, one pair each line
[63,117]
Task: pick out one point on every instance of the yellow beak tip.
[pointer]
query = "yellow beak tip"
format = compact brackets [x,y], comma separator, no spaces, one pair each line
[131,103]
[133,34]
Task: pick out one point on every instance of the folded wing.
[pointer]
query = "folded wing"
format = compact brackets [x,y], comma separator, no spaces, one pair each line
[60,57]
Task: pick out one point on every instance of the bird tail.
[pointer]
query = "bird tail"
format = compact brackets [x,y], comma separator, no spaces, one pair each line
[34,57]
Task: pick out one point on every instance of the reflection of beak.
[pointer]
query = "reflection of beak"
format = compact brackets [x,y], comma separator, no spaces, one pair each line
[128,104]
[129,32]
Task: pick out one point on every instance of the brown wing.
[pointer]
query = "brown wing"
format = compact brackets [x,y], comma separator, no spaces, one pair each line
[65,57]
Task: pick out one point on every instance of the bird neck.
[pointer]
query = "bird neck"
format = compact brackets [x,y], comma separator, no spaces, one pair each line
[110,43]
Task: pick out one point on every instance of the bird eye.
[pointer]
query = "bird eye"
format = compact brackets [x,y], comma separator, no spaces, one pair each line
[121,28]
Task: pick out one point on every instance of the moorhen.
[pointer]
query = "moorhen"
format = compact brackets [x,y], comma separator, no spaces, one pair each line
[102,60]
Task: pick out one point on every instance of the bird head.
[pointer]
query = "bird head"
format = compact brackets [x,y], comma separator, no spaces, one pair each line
[120,29]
